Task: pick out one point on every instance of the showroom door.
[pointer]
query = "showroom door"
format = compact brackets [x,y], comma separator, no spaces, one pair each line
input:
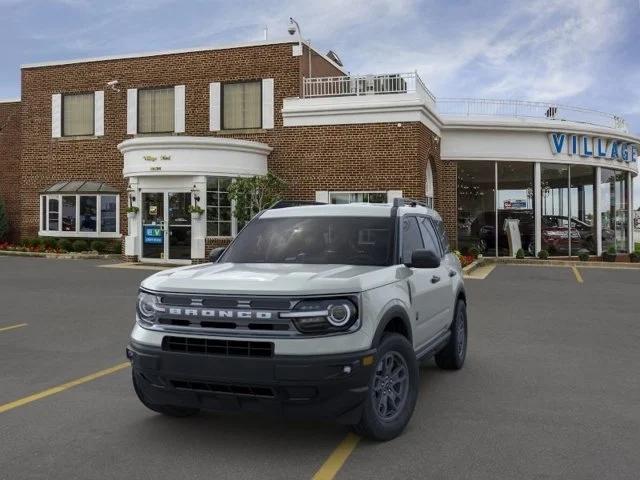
[166,227]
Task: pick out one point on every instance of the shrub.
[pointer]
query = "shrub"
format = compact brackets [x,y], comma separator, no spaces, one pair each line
[611,250]
[99,246]
[49,243]
[4,222]
[634,257]
[80,246]
[520,254]
[474,252]
[543,254]
[65,244]
[583,255]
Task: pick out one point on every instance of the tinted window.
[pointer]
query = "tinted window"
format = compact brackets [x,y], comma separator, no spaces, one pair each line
[442,235]
[429,236]
[314,240]
[411,238]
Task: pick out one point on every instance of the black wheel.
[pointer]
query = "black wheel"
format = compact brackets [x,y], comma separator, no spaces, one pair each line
[393,390]
[169,410]
[452,356]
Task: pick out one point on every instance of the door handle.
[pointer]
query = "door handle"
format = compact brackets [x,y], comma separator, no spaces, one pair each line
[435,279]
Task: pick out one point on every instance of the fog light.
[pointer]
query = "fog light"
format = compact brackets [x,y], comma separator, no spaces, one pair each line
[368,360]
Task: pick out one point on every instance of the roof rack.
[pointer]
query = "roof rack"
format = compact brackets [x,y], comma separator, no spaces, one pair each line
[408,202]
[294,203]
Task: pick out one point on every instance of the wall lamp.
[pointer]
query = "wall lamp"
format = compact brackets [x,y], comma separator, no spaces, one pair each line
[195,192]
[131,191]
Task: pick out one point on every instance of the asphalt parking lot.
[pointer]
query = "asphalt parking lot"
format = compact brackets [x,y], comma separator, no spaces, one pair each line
[550,389]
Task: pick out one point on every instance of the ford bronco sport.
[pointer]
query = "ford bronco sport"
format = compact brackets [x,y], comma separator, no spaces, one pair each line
[320,311]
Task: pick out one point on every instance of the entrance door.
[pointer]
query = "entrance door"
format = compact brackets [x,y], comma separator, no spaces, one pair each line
[166,226]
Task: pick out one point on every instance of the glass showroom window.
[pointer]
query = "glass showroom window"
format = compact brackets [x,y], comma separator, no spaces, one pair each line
[582,207]
[156,110]
[516,218]
[219,211]
[241,105]
[79,216]
[614,209]
[77,114]
[357,197]
[476,207]
[554,234]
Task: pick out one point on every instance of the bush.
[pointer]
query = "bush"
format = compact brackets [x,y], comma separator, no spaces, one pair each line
[634,257]
[474,252]
[99,246]
[80,246]
[49,243]
[543,254]
[583,255]
[612,250]
[520,254]
[4,222]
[65,244]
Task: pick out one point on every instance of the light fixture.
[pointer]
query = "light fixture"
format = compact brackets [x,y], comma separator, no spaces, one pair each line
[131,192]
[195,192]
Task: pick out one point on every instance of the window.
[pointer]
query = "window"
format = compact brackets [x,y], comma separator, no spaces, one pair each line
[242,105]
[614,210]
[428,188]
[76,215]
[429,236]
[442,234]
[357,197]
[476,207]
[411,238]
[516,225]
[78,114]
[156,110]
[219,214]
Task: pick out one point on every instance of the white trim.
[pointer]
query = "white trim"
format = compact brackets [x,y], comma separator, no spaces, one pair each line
[598,210]
[630,210]
[98,113]
[267,103]
[537,204]
[429,190]
[322,196]
[56,115]
[10,100]
[391,194]
[214,107]
[47,233]
[176,52]
[132,111]
[179,96]
[44,197]
[205,143]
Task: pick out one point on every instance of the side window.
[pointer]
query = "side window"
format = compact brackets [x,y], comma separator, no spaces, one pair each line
[411,238]
[429,236]
[442,235]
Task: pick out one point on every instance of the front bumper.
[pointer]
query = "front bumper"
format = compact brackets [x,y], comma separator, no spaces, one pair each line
[294,386]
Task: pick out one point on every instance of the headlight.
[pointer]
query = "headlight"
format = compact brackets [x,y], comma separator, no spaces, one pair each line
[147,307]
[324,315]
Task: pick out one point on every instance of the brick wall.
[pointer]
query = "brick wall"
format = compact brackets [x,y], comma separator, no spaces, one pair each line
[10,163]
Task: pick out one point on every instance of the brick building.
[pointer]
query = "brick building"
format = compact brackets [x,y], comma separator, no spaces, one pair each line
[160,132]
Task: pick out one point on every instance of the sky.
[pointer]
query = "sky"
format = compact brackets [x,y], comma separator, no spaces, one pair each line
[578,52]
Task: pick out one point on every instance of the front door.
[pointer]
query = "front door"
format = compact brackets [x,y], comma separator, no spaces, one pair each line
[166,226]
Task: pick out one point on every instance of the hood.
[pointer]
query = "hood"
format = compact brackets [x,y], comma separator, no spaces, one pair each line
[270,279]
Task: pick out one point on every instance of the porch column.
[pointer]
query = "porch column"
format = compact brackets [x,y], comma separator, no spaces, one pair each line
[537,205]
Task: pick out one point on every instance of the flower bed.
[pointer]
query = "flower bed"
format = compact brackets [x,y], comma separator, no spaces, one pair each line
[35,249]
[464,259]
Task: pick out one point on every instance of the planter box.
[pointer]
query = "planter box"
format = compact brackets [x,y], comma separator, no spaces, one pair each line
[195,216]
[131,215]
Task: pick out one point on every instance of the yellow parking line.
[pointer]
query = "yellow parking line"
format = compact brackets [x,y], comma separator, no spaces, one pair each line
[60,388]
[576,272]
[11,327]
[334,463]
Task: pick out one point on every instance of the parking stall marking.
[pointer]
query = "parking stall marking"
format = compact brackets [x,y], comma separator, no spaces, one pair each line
[338,457]
[12,327]
[576,272]
[61,388]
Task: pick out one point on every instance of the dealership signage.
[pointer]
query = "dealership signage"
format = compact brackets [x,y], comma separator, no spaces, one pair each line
[590,146]
[153,235]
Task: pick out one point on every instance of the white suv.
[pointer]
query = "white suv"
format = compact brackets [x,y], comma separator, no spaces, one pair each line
[312,311]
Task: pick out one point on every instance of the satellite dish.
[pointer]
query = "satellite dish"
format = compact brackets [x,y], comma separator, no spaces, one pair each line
[334,57]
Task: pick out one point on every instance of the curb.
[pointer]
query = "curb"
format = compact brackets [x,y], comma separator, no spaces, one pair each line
[474,265]
[61,256]
[562,263]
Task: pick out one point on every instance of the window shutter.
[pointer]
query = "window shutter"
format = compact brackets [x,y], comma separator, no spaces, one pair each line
[56,115]
[267,103]
[98,115]
[322,196]
[132,111]
[179,112]
[214,107]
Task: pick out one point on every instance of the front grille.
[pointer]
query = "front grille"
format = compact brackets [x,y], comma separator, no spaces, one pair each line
[258,303]
[206,346]
[242,390]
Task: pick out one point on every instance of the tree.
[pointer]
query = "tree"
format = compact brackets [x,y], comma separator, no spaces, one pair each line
[4,222]
[253,194]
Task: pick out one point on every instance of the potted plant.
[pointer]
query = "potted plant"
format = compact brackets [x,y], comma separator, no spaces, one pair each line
[196,211]
[132,211]
[610,255]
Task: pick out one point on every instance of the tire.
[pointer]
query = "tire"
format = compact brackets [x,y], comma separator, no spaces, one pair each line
[386,414]
[169,410]
[452,356]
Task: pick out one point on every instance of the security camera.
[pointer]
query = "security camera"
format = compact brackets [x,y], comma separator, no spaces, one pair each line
[112,85]
[291,29]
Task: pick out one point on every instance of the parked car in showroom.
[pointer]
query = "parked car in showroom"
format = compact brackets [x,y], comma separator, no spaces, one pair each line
[320,311]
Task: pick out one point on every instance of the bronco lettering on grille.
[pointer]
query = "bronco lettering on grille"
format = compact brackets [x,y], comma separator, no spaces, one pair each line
[215,313]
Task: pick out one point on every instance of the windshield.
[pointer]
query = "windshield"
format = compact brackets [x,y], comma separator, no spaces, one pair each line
[341,240]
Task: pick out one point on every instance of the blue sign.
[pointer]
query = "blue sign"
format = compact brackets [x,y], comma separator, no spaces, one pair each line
[153,235]
[598,147]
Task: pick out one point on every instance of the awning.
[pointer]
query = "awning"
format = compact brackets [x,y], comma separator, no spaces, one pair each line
[81,186]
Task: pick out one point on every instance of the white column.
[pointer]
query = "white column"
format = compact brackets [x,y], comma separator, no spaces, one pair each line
[132,244]
[537,203]
[199,225]
[630,211]
[598,212]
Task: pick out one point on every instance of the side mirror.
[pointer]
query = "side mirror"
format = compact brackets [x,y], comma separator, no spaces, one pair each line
[424,259]
[215,254]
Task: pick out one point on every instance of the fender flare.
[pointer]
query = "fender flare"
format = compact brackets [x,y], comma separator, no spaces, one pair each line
[395,311]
